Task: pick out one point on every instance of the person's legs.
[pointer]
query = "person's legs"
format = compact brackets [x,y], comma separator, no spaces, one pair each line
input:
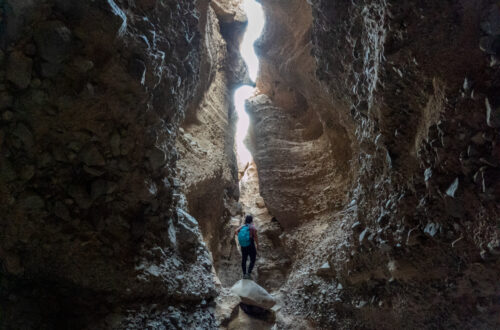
[253,255]
[244,256]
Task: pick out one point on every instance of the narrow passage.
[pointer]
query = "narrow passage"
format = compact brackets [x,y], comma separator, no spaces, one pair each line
[268,271]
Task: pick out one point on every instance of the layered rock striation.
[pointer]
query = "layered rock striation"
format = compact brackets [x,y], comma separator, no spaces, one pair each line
[299,141]
[207,168]
[411,86]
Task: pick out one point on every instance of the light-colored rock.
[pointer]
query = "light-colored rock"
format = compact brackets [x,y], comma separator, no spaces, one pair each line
[227,307]
[253,294]
[260,203]
[229,11]
[452,189]
[492,114]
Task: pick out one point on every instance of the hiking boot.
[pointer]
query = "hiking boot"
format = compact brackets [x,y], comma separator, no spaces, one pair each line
[247,277]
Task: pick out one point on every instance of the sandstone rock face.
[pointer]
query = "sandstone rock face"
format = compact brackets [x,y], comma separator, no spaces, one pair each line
[94,225]
[207,164]
[299,141]
[412,86]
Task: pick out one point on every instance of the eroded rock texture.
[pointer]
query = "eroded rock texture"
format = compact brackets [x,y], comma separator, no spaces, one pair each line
[207,166]
[402,98]
[94,228]
[375,135]
[301,147]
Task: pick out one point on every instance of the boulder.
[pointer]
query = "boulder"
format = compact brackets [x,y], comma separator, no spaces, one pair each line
[432,229]
[452,189]
[187,234]
[253,294]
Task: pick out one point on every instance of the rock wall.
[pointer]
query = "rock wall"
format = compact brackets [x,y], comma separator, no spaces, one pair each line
[375,134]
[300,143]
[94,229]
[207,164]
[413,86]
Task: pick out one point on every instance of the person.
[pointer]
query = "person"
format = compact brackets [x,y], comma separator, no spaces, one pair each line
[249,242]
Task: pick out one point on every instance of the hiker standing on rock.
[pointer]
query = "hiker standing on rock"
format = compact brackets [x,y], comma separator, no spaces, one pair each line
[247,237]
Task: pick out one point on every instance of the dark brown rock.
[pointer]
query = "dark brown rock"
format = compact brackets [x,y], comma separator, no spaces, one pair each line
[53,40]
[19,69]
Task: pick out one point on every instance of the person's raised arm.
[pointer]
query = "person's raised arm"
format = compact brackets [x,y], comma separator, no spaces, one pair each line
[237,230]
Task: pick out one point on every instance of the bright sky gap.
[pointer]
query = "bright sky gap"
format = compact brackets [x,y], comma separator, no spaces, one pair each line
[255,15]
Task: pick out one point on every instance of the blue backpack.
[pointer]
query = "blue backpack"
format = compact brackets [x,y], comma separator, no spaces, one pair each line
[244,236]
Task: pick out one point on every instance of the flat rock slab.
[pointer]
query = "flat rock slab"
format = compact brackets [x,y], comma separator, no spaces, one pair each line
[253,294]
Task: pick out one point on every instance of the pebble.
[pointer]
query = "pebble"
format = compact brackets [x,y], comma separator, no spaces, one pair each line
[452,189]
[492,114]
[363,237]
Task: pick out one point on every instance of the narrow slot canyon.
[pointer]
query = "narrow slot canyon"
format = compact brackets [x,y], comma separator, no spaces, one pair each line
[137,135]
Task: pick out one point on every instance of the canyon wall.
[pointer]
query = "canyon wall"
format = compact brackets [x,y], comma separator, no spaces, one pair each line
[299,141]
[374,133]
[207,169]
[402,98]
[95,228]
